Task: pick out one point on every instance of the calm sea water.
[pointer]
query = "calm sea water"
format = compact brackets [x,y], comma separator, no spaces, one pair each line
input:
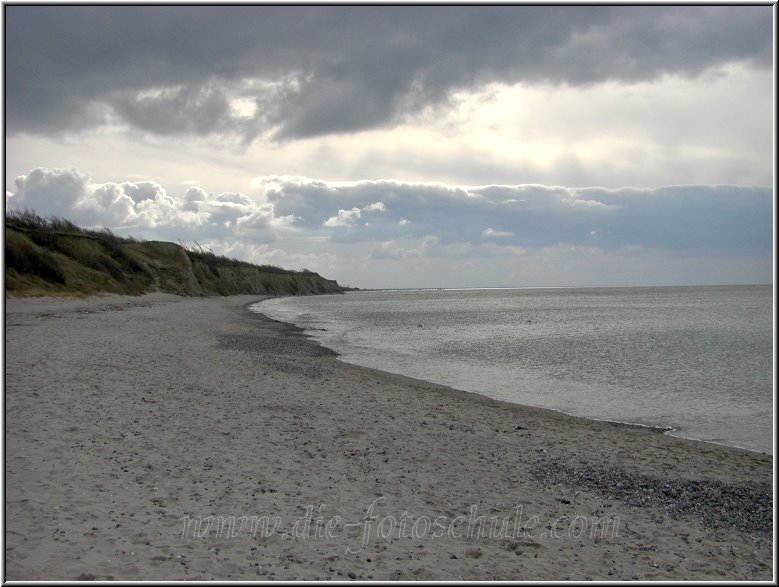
[695,359]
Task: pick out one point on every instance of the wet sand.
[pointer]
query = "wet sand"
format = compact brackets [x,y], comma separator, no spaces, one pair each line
[169,438]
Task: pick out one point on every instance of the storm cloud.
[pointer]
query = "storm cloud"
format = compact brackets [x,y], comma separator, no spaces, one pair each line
[323,70]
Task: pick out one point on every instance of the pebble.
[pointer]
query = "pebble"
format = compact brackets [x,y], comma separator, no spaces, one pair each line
[284,354]
[746,507]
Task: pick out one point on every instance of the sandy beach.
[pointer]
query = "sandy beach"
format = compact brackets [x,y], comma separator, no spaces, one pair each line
[169,438]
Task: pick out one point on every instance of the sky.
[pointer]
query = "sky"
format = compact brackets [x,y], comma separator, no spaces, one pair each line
[407,146]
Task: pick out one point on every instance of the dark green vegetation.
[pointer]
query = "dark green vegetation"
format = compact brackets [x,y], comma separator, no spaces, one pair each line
[53,256]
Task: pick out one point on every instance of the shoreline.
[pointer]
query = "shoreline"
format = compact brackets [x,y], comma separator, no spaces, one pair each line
[504,403]
[661,429]
[129,418]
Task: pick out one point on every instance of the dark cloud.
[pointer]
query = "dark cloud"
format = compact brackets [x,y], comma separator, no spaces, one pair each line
[180,111]
[328,69]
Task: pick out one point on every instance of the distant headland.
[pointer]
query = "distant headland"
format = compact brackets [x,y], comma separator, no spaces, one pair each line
[54,257]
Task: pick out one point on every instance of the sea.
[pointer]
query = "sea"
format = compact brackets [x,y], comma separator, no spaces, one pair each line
[697,361]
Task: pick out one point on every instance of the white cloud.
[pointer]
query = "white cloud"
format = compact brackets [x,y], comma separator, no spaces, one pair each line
[375,207]
[491,232]
[107,202]
[144,206]
[56,192]
[394,251]
[193,197]
[344,218]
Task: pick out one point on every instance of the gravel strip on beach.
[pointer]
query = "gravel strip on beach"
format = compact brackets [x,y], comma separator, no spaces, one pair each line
[275,345]
[289,355]
[717,504]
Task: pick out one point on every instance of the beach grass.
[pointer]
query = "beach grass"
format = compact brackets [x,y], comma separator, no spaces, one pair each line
[52,256]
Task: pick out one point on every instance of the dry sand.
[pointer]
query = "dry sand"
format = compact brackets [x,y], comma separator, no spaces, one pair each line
[174,438]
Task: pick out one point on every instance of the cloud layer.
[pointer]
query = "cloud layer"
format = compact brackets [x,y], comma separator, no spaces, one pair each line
[145,209]
[295,72]
[678,219]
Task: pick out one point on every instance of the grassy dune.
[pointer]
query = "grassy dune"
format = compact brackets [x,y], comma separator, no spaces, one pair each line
[54,257]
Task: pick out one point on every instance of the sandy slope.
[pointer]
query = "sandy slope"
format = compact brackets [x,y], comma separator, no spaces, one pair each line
[130,421]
